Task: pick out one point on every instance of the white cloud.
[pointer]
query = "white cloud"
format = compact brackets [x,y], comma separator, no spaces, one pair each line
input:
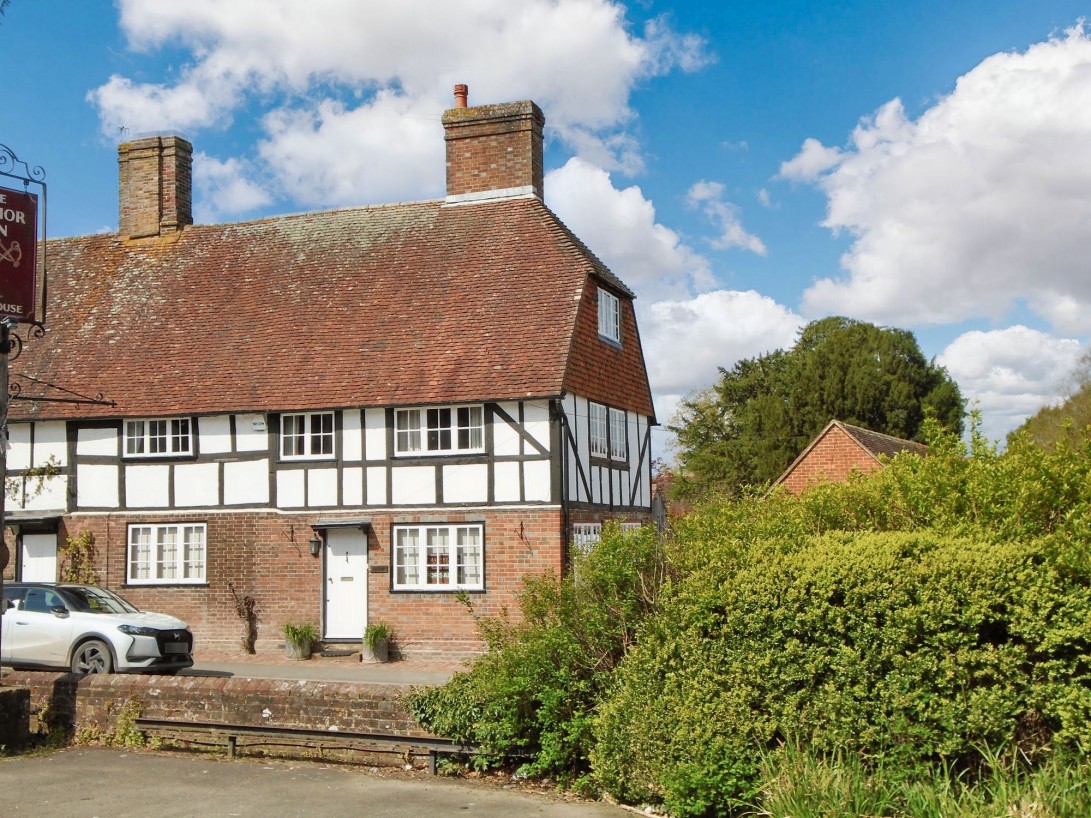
[686,341]
[1010,373]
[224,188]
[384,151]
[685,337]
[330,75]
[620,228]
[981,204]
[708,197]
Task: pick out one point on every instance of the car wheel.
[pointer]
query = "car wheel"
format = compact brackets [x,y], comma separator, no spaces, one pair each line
[92,656]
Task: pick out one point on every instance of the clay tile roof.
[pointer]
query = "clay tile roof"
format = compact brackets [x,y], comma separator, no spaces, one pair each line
[396,305]
[879,444]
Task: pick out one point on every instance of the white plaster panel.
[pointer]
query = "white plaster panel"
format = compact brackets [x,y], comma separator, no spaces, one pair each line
[197,484]
[96,443]
[575,490]
[352,436]
[50,440]
[19,446]
[321,487]
[376,486]
[505,439]
[536,422]
[506,482]
[537,482]
[251,433]
[352,487]
[52,497]
[412,485]
[466,483]
[290,484]
[594,478]
[215,434]
[583,452]
[247,483]
[96,486]
[375,435]
[147,486]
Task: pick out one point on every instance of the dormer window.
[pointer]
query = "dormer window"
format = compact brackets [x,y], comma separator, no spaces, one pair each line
[609,316]
[168,437]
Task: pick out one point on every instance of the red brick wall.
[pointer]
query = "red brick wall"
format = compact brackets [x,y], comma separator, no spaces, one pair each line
[833,458]
[267,556]
[96,700]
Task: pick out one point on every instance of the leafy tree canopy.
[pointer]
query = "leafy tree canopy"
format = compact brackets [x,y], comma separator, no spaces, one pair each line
[748,427]
[1068,422]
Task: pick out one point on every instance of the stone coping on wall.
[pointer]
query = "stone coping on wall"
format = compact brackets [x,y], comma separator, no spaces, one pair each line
[95,701]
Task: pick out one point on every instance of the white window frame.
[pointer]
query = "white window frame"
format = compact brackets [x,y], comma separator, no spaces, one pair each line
[439,430]
[302,441]
[619,433]
[598,429]
[157,437]
[439,557]
[609,316]
[166,554]
[585,535]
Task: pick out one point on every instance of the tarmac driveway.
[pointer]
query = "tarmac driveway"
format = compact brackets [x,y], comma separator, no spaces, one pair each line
[86,782]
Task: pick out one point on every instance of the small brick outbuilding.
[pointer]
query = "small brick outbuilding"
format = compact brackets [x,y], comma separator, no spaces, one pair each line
[838,451]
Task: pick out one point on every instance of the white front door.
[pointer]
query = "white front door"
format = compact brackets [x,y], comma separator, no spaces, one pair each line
[39,558]
[346,583]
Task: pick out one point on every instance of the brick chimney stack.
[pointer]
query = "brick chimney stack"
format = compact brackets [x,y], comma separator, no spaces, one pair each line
[155,182]
[493,151]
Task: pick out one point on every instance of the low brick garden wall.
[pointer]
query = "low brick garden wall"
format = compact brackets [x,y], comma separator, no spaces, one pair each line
[14,717]
[95,701]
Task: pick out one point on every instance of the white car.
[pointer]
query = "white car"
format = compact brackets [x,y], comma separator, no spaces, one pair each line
[88,630]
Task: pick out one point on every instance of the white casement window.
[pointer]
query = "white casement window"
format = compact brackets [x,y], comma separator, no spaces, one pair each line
[609,316]
[439,430]
[168,437]
[306,436]
[585,535]
[600,441]
[618,449]
[167,554]
[438,558]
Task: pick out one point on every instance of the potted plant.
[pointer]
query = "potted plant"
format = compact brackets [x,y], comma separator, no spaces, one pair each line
[376,647]
[298,640]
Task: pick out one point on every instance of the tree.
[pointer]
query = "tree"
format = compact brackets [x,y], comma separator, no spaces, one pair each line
[748,427]
[1069,421]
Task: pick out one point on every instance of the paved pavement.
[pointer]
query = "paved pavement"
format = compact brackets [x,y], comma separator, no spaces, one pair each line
[336,668]
[87,782]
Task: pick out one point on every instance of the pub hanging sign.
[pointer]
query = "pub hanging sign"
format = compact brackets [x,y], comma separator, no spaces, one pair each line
[18,254]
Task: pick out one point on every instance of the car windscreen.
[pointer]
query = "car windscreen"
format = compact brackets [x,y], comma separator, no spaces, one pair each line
[98,600]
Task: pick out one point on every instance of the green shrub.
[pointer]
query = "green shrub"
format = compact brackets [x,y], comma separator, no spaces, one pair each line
[904,648]
[304,634]
[533,695]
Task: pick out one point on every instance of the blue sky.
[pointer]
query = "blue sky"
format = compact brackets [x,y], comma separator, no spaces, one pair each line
[744,166]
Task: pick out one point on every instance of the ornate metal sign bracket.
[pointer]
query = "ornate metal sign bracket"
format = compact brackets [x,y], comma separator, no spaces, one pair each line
[15,392]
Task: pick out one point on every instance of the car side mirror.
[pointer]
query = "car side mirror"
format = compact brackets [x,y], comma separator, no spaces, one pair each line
[59,611]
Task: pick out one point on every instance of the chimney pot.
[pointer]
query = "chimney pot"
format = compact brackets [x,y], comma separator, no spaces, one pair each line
[462,92]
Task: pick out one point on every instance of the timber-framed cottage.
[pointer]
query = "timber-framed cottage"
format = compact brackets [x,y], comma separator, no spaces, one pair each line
[349,416]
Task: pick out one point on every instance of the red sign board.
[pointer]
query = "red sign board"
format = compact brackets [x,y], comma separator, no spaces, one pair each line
[18,254]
